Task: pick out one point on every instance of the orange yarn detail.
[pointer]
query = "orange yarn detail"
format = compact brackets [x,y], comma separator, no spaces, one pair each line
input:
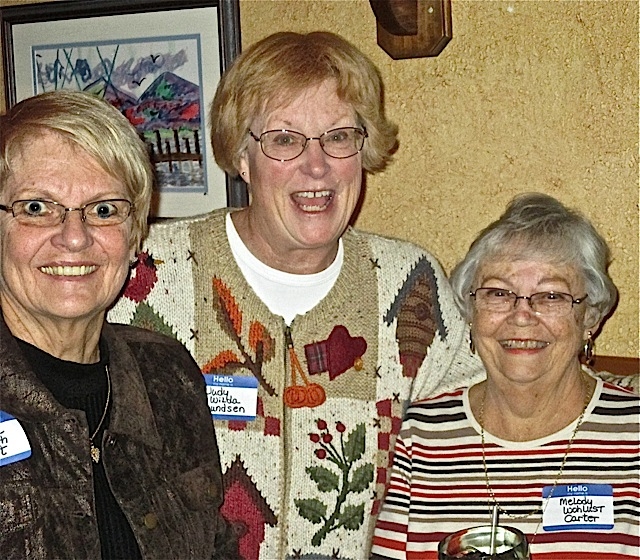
[297,396]
[221,360]
[230,305]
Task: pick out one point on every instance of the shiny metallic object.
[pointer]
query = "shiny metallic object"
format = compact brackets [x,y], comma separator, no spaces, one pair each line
[475,544]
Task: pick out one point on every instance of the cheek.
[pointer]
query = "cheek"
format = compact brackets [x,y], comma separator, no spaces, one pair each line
[483,324]
[116,245]
[17,249]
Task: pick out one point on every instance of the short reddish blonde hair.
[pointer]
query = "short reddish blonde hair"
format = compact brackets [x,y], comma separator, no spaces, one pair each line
[274,71]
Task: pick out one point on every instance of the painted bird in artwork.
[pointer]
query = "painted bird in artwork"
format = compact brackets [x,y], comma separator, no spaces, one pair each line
[143,277]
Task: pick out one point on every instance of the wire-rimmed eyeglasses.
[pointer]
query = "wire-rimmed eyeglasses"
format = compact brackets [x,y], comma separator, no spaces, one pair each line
[46,213]
[498,300]
[285,145]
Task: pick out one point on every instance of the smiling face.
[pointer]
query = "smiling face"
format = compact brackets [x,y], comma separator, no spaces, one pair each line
[520,346]
[70,271]
[300,208]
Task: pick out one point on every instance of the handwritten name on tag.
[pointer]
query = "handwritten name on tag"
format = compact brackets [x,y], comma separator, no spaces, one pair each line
[14,445]
[578,506]
[232,397]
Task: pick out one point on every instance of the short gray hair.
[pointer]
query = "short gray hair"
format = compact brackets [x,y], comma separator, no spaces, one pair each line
[539,226]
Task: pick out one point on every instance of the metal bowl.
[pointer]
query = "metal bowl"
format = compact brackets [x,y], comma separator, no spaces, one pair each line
[475,544]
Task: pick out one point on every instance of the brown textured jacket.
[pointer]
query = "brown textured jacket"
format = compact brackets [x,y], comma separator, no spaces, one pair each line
[159,453]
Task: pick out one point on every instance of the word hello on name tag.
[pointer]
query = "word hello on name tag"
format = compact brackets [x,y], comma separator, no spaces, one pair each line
[232,397]
[578,506]
[14,445]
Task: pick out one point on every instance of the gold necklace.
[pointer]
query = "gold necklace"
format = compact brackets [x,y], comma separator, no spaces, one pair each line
[558,476]
[95,452]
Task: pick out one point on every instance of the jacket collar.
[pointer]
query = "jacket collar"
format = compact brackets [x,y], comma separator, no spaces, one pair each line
[23,395]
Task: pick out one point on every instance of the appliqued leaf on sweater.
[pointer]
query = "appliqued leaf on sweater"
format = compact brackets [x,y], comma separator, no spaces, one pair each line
[223,360]
[326,480]
[418,316]
[312,510]
[259,341]
[343,450]
[145,317]
[227,303]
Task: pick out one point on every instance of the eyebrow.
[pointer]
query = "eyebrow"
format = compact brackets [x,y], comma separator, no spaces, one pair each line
[545,280]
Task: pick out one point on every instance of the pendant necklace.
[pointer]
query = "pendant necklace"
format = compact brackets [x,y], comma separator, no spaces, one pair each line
[541,507]
[95,451]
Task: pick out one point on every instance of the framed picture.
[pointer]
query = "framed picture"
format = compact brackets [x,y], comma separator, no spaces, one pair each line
[158,61]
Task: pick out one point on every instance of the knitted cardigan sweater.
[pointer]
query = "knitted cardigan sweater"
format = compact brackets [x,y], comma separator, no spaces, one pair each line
[306,482]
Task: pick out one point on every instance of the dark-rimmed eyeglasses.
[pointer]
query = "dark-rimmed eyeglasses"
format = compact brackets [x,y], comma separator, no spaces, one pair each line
[498,300]
[46,213]
[285,145]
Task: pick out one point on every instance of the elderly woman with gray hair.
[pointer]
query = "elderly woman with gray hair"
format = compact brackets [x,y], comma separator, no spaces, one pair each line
[542,441]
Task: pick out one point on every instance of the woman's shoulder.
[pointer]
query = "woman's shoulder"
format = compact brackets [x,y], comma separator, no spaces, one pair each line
[163,227]
[626,383]
[396,250]
[435,405]
[138,336]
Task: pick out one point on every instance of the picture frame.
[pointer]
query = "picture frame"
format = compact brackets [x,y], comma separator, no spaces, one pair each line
[158,61]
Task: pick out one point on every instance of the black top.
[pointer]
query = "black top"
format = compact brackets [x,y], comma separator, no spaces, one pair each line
[84,387]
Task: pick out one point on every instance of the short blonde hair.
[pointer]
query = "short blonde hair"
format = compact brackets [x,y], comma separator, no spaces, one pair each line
[93,125]
[274,71]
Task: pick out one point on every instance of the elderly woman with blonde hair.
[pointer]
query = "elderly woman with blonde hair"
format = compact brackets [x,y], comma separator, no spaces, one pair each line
[106,447]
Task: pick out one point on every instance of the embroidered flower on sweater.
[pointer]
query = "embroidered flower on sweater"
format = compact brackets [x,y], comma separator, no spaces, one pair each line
[344,453]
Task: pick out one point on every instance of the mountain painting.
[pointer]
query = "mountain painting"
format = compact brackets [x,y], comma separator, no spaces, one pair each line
[155,82]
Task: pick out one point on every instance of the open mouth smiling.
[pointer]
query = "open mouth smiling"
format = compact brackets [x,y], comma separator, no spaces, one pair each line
[81,270]
[313,201]
[523,344]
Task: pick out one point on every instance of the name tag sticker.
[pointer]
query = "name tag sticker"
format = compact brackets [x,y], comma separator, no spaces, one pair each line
[232,397]
[578,506]
[14,445]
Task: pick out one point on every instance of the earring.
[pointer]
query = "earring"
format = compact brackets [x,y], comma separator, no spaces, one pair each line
[472,346]
[133,263]
[588,350]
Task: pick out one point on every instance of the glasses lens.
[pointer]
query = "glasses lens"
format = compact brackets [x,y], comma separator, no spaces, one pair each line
[342,142]
[494,299]
[40,213]
[282,144]
[107,212]
[551,303]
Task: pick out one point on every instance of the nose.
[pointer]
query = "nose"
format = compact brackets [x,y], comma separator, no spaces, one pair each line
[316,161]
[522,312]
[74,233]
[527,299]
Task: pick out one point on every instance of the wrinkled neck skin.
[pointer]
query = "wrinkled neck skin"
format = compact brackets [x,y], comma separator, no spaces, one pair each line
[529,411]
[302,260]
[73,340]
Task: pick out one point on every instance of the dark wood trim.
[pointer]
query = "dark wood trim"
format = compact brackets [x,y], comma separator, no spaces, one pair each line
[617,364]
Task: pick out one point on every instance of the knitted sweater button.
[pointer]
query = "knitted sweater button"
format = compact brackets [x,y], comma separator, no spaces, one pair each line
[150,520]
[211,490]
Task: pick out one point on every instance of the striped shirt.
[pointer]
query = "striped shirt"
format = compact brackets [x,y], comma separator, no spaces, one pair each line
[438,483]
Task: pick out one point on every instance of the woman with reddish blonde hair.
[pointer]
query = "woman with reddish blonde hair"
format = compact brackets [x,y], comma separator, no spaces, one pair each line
[313,335]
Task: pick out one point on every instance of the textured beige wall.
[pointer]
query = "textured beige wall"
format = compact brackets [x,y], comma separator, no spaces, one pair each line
[531,95]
